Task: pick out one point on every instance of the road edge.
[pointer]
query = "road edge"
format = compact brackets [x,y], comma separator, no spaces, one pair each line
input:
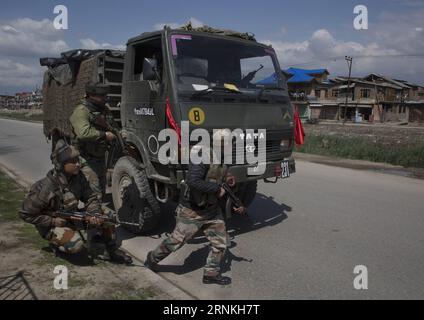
[355,164]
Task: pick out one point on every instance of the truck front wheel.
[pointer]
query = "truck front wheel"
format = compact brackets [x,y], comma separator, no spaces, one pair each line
[136,207]
[247,192]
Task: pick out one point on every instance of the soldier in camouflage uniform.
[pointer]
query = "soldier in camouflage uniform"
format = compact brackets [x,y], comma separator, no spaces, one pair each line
[62,189]
[199,209]
[90,122]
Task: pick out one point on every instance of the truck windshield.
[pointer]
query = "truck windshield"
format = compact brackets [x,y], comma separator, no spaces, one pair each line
[203,62]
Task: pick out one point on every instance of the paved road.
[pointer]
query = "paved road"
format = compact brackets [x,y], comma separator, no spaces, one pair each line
[303,238]
[23,149]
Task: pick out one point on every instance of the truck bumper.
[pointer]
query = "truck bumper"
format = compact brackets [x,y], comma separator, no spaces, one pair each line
[241,174]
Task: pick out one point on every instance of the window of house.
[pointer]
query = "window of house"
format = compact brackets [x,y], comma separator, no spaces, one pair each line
[365,93]
[318,93]
[335,93]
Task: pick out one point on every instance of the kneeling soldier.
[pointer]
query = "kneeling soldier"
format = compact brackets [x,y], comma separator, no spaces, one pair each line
[62,189]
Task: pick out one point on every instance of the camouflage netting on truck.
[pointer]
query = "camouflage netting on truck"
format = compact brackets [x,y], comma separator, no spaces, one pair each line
[223,32]
[64,84]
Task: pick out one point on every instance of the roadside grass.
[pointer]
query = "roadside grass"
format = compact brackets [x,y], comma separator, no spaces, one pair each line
[364,149]
[127,291]
[25,115]
[11,196]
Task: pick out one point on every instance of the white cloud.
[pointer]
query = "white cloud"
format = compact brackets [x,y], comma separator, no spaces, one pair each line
[92,45]
[26,37]
[196,23]
[18,74]
[391,35]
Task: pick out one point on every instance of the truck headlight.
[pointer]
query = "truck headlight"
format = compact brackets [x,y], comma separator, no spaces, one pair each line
[285,144]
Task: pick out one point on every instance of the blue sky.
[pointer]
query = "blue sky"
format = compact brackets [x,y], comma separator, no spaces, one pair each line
[300,31]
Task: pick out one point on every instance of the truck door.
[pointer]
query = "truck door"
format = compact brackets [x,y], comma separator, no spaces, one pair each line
[144,100]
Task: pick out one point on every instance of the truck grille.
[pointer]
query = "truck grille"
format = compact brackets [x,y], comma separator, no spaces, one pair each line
[273,150]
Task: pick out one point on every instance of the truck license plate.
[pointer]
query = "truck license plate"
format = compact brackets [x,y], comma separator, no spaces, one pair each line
[285,171]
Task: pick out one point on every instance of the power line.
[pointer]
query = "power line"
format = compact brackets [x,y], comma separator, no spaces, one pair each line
[357,57]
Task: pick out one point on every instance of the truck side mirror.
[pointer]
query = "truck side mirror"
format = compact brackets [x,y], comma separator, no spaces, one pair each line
[150,71]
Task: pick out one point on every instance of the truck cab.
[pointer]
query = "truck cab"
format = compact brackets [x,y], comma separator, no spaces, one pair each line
[210,80]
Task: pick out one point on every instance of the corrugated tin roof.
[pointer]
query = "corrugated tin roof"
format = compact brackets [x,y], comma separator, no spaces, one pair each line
[272,79]
[303,75]
[296,75]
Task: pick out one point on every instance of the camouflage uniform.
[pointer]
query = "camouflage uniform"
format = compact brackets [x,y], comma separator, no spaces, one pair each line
[60,191]
[89,138]
[199,211]
[55,192]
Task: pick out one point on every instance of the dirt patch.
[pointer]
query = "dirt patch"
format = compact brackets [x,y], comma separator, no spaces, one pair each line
[87,279]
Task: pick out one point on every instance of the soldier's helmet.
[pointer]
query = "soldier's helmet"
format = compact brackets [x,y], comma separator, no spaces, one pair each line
[63,153]
[97,89]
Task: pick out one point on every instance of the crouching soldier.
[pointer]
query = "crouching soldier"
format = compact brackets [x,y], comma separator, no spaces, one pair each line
[62,189]
[199,209]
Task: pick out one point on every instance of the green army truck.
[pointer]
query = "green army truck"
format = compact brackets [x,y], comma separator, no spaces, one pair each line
[210,78]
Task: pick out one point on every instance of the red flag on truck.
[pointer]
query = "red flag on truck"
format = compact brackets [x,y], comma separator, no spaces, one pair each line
[299,133]
[171,120]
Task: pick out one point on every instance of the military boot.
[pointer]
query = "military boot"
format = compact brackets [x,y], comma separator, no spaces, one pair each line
[217,279]
[118,256]
[150,262]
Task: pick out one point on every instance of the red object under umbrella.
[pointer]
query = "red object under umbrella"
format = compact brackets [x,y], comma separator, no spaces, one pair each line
[299,133]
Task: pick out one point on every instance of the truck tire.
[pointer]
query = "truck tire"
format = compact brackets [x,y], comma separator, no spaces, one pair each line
[137,209]
[247,192]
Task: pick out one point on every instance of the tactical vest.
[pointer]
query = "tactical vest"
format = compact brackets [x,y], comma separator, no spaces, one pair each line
[92,149]
[216,174]
[67,199]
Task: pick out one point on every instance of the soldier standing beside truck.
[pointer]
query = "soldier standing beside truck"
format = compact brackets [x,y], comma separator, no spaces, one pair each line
[90,122]
[199,209]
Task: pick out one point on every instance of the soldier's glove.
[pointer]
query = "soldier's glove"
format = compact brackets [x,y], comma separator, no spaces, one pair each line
[58,222]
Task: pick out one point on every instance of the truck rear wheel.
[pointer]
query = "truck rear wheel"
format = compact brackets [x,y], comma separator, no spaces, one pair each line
[137,209]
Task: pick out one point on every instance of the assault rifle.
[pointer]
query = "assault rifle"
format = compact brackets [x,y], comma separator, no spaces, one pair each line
[84,217]
[101,121]
[237,202]
[81,219]
[246,80]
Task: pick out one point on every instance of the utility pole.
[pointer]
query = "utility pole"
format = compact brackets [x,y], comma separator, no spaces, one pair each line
[349,64]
